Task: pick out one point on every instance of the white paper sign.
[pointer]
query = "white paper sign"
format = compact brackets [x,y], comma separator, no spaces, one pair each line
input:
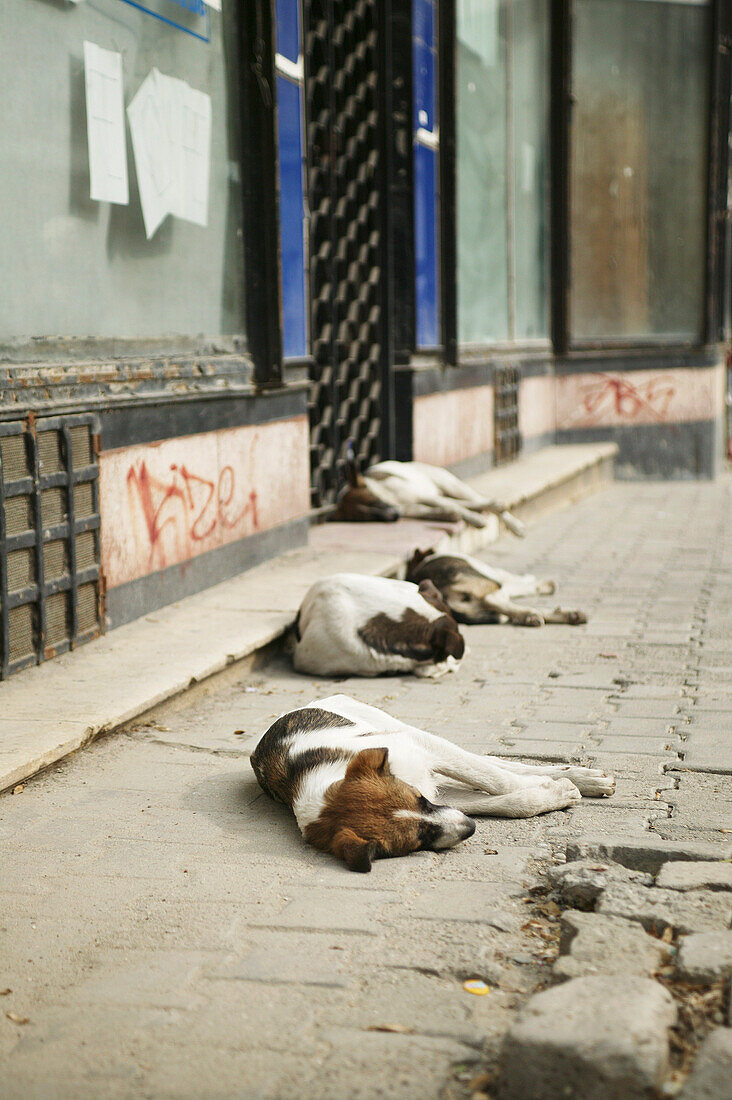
[216,4]
[105,125]
[171,137]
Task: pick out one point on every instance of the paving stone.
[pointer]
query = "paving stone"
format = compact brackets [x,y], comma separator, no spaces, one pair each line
[580,883]
[698,911]
[289,959]
[590,1038]
[648,854]
[591,943]
[350,910]
[705,957]
[471,902]
[695,876]
[621,726]
[707,750]
[711,1076]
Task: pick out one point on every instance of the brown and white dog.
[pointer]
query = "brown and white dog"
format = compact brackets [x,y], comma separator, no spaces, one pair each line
[362,784]
[479,593]
[355,625]
[392,489]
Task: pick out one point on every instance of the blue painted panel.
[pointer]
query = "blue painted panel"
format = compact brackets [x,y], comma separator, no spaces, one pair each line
[424,86]
[292,211]
[426,255]
[288,28]
[423,21]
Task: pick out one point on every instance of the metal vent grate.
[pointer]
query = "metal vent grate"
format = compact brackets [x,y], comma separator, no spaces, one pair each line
[507,437]
[49,539]
[344,133]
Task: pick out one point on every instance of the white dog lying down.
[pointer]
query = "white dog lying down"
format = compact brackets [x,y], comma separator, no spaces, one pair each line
[392,489]
[362,784]
[354,625]
[476,592]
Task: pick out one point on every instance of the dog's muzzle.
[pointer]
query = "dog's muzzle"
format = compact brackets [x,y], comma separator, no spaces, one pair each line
[453,826]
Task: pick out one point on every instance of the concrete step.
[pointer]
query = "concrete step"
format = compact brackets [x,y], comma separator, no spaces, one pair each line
[53,709]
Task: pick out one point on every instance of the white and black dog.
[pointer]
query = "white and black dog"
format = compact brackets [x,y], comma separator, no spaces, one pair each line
[354,625]
[362,784]
[476,592]
[417,490]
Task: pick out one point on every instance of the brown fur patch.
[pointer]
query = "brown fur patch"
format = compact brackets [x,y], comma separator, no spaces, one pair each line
[357,822]
[357,504]
[414,636]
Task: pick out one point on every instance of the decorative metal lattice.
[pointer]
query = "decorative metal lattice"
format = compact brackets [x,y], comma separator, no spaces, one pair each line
[346,239]
[507,437]
[50,596]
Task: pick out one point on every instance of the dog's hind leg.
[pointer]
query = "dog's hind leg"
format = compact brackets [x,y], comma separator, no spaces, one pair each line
[541,798]
[482,773]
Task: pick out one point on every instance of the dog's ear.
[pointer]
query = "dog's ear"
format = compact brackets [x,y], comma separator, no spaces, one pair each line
[416,560]
[447,641]
[368,760]
[433,596]
[353,472]
[356,852]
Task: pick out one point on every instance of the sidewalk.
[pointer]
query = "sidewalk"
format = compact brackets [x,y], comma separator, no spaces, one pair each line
[53,709]
[167,933]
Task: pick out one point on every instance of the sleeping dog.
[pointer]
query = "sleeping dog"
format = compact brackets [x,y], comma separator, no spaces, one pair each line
[354,625]
[479,593]
[392,489]
[362,784]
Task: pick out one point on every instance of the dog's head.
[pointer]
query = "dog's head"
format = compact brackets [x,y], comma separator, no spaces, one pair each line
[461,587]
[370,814]
[358,502]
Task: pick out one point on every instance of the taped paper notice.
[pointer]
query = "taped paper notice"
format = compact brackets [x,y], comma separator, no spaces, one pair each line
[171,137]
[216,4]
[105,125]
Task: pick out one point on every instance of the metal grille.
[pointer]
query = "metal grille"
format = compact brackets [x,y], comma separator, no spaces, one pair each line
[49,539]
[344,157]
[507,437]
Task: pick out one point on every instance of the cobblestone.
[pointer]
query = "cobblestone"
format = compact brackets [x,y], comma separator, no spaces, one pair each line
[590,1038]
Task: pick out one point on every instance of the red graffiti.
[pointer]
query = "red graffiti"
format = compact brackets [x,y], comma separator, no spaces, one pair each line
[611,394]
[189,506]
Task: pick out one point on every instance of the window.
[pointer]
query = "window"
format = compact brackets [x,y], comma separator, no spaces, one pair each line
[502,170]
[75,267]
[426,172]
[638,168]
[290,80]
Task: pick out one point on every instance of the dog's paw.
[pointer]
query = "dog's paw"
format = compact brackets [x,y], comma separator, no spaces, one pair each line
[568,793]
[576,618]
[591,782]
[532,619]
[546,588]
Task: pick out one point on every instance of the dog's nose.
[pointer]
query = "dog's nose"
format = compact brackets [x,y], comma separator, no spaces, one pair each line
[468,828]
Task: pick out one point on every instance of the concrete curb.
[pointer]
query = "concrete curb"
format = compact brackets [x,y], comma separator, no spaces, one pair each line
[55,708]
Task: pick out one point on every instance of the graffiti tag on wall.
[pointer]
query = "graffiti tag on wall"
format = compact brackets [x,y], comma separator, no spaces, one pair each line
[167,502]
[636,397]
[616,396]
[185,505]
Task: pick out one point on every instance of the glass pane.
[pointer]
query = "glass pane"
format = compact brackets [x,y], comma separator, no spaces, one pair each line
[638,168]
[481,172]
[292,200]
[288,28]
[426,172]
[71,266]
[530,111]
[425,232]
